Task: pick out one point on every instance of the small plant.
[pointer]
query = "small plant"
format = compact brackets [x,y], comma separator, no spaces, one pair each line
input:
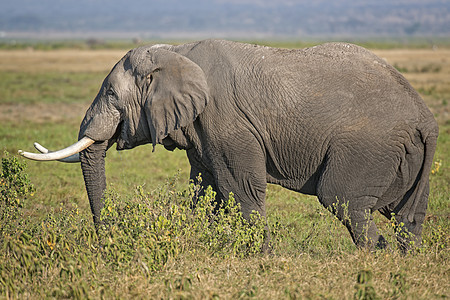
[401,69]
[427,91]
[14,183]
[134,230]
[429,68]
[405,238]
[228,232]
[436,167]
[15,188]
[437,239]
[399,285]
[179,283]
[364,288]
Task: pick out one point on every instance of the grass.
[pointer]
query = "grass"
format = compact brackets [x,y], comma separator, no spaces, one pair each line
[48,87]
[50,249]
[114,44]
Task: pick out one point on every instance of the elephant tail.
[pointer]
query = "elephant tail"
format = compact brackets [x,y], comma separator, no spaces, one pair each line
[422,183]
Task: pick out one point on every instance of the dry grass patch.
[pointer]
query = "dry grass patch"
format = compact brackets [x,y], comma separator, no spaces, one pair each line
[33,61]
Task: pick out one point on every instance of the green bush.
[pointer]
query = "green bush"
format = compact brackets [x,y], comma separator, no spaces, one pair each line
[150,229]
[138,234]
[15,188]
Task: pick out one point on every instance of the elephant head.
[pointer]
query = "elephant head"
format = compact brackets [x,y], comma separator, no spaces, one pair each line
[150,93]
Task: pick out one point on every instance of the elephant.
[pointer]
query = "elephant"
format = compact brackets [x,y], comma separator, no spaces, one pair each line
[333,120]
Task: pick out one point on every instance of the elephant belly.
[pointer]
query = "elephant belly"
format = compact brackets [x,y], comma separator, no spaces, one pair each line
[301,180]
[308,187]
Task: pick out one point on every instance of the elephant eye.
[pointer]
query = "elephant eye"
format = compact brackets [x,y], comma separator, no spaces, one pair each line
[110,92]
[149,78]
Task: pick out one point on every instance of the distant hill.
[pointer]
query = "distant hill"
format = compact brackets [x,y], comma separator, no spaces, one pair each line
[221,18]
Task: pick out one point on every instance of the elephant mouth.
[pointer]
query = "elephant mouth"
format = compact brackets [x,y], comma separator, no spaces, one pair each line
[121,144]
[124,139]
[127,137]
[120,137]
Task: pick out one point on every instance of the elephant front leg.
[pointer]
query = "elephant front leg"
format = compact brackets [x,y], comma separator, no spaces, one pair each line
[249,190]
[248,186]
[246,179]
[245,176]
[200,176]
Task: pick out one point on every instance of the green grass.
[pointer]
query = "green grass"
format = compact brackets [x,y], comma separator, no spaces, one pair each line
[49,87]
[154,247]
[65,44]
[92,44]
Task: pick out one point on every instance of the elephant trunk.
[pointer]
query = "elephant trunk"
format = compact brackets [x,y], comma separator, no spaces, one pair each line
[93,167]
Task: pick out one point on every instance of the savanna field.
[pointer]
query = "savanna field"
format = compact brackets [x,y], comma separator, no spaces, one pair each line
[153,244]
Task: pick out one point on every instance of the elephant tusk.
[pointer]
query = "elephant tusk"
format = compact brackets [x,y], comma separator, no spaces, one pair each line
[75,158]
[40,148]
[62,155]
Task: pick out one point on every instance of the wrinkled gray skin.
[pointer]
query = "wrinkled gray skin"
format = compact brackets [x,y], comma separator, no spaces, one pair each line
[334,121]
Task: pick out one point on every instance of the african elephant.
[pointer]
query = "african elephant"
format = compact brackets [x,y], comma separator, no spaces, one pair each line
[333,121]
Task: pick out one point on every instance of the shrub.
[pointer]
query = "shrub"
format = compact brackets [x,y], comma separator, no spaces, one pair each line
[139,233]
[15,188]
[150,228]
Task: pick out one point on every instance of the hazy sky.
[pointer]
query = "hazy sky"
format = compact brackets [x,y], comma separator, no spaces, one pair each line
[293,18]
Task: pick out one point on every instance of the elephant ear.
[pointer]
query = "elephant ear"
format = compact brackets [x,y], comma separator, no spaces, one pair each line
[177,91]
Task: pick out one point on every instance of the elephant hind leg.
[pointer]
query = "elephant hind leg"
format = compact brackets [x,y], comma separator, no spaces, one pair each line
[356,215]
[408,233]
[351,185]
[364,232]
